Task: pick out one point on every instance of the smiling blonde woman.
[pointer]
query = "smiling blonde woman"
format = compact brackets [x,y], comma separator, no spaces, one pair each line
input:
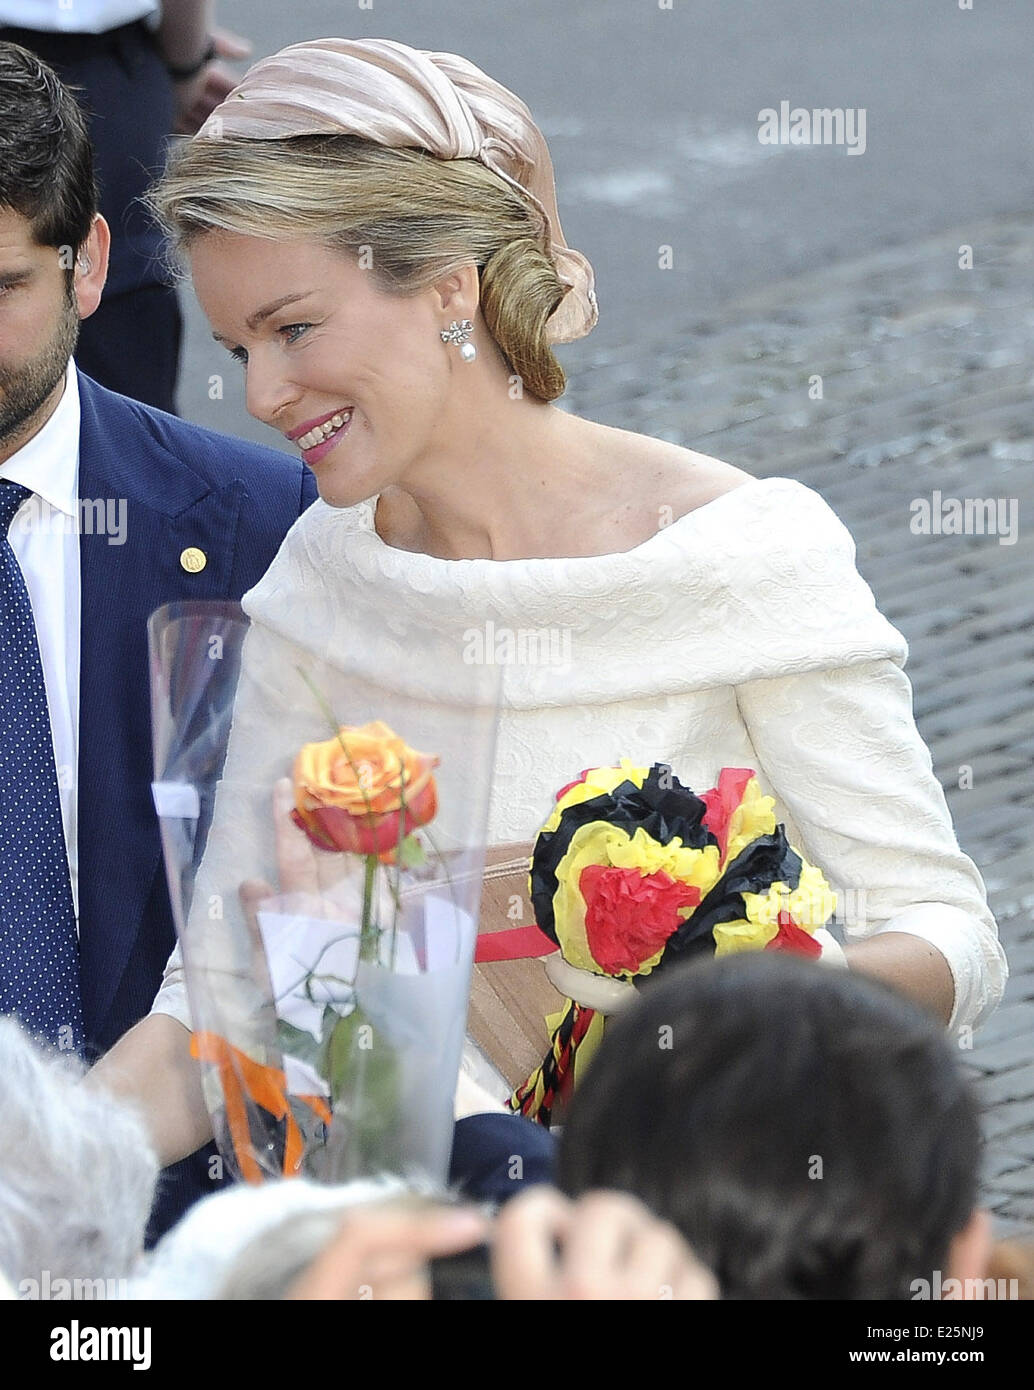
[372,231]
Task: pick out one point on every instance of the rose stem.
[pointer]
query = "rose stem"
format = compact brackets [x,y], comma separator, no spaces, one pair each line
[367,937]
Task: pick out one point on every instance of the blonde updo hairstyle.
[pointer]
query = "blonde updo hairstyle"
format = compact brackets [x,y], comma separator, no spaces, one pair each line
[418,218]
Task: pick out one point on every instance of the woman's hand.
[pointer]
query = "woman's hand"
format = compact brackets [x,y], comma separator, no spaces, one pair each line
[316,883]
[312,882]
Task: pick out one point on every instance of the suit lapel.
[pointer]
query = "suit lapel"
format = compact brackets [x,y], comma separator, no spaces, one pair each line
[167,508]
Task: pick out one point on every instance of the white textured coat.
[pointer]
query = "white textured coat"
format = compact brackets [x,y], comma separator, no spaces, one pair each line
[740,635]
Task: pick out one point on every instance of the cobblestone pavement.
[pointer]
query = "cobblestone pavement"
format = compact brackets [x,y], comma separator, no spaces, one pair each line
[926,384]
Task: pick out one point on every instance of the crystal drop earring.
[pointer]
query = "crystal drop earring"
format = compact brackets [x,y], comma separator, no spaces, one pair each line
[459,333]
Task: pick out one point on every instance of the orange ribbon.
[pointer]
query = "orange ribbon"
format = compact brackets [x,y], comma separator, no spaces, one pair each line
[240,1077]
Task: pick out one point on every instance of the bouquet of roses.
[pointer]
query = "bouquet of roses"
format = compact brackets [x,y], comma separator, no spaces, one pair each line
[633,872]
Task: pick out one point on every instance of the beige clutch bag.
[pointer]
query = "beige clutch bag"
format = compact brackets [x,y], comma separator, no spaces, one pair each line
[509,1000]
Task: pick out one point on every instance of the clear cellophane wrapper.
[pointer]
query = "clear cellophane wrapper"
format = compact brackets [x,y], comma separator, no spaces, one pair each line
[269,926]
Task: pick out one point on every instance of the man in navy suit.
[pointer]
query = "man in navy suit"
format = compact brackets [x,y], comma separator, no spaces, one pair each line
[129,508]
[159,510]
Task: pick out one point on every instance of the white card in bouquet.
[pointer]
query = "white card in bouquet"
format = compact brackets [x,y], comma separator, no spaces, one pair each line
[434,935]
[312,962]
[448,933]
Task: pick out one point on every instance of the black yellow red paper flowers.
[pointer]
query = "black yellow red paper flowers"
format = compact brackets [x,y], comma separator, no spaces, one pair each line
[634,871]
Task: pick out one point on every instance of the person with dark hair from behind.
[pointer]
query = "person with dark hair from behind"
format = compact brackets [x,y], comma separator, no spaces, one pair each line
[807,1130]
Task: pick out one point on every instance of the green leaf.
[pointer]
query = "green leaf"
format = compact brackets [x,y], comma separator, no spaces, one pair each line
[411,853]
[339,1052]
[296,1042]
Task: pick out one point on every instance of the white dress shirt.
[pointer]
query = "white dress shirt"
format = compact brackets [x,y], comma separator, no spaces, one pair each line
[79,16]
[44,536]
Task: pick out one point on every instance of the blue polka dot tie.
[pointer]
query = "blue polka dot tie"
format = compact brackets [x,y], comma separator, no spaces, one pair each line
[39,953]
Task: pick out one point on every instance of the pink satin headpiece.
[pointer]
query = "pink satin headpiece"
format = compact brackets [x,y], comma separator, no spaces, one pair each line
[400,96]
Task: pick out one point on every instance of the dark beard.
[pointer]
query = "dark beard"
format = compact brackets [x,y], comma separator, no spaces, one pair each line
[24,392]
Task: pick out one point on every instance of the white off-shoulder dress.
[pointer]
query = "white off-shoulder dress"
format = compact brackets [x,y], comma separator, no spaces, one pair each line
[741,635]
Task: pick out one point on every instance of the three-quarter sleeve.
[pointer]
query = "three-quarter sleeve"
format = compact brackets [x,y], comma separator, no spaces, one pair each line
[171,998]
[840,750]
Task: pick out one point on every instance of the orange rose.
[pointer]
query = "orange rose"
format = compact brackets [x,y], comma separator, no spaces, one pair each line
[353,800]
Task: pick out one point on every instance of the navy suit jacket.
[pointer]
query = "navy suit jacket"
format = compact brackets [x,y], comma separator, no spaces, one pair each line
[183,486]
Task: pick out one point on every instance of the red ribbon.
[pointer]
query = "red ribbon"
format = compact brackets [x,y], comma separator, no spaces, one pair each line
[517,943]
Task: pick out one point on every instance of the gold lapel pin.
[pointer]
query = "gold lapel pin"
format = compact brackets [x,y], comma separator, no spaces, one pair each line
[193,560]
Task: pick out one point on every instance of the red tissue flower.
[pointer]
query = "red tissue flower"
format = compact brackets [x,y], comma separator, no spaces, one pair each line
[629,915]
[791,937]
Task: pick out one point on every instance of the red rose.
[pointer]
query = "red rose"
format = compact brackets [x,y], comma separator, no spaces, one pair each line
[331,828]
[629,915]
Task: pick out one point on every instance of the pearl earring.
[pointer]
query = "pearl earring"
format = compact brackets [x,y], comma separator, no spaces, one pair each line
[459,333]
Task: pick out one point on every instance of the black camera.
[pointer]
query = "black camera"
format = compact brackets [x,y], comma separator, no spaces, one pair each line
[464,1277]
